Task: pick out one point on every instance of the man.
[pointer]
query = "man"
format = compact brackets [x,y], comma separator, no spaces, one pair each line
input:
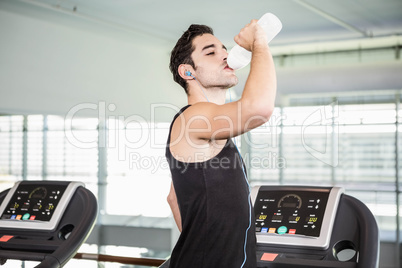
[209,195]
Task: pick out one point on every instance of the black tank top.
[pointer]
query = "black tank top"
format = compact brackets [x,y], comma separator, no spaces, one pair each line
[213,198]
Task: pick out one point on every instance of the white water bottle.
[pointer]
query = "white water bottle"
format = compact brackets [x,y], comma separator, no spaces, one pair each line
[240,57]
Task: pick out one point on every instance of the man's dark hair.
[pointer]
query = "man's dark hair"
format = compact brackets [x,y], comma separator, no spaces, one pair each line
[181,53]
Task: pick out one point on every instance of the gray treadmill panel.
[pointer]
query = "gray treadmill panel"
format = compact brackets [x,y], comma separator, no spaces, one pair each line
[287,216]
[29,206]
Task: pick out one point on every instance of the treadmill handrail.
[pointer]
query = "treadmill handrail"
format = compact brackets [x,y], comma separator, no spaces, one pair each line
[120,259]
[369,250]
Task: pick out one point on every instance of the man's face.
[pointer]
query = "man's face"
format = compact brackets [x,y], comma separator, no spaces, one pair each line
[209,57]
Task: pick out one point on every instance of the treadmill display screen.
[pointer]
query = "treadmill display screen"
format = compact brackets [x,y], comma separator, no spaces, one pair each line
[33,202]
[290,212]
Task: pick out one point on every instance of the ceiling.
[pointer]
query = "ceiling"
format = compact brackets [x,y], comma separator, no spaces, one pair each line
[304,21]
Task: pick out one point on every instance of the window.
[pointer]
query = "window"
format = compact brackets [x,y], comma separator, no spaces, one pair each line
[42,150]
[136,161]
[307,144]
[367,146]
[265,161]
[11,149]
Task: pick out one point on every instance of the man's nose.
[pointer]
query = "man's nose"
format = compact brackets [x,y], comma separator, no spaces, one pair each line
[225,55]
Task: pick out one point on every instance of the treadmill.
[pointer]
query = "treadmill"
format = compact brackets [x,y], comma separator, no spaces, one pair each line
[307,227]
[45,221]
[312,227]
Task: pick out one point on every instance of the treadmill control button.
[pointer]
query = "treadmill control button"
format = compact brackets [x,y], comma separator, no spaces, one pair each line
[5,238]
[268,256]
[282,230]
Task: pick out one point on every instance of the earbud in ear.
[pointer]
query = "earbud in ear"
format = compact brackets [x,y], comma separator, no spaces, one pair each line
[187,73]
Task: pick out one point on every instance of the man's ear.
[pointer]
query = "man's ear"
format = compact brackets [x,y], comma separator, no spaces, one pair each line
[183,69]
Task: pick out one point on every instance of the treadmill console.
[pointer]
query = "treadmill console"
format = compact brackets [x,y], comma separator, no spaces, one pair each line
[32,206]
[295,216]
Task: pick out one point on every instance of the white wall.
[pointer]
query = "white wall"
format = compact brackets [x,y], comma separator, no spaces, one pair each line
[47,67]
[353,70]
[51,62]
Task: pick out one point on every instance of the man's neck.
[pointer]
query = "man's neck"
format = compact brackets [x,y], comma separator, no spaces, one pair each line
[213,95]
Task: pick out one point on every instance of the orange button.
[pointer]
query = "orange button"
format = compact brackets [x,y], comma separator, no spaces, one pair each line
[5,238]
[269,256]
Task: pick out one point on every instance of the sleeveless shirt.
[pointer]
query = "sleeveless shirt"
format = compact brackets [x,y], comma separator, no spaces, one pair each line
[213,199]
